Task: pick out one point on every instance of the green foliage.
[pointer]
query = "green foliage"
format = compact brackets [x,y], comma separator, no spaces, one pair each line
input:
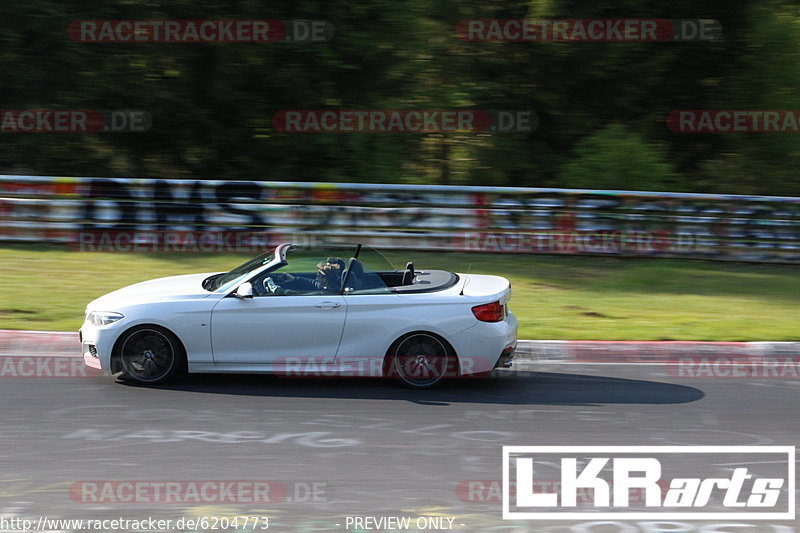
[601,106]
[768,77]
[615,158]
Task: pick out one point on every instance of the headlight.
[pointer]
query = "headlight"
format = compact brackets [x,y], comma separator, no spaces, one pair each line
[103,318]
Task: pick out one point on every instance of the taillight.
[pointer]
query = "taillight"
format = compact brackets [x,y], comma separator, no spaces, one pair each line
[493,312]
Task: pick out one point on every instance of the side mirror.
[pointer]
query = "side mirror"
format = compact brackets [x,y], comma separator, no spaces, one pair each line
[245,290]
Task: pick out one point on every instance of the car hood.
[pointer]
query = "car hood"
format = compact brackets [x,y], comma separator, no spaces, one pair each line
[155,290]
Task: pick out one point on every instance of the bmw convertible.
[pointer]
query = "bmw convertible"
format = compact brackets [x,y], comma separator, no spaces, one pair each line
[301,311]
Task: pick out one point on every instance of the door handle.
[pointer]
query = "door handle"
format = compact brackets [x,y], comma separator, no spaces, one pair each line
[328,305]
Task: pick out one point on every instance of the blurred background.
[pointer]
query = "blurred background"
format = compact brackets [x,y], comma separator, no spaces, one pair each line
[602,107]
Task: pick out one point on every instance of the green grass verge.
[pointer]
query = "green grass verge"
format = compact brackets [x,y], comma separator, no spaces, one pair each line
[47,287]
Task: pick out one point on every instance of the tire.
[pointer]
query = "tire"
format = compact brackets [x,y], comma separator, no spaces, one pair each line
[150,355]
[421,360]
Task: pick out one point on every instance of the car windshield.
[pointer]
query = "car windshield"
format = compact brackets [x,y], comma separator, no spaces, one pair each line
[212,283]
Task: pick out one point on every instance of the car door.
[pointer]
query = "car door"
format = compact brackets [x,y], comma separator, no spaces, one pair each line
[267,329]
[374,316]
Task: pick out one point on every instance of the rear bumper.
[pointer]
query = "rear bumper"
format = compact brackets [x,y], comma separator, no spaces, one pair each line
[506,357]
[486,346]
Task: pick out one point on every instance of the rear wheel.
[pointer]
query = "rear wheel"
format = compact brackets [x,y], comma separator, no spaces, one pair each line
[149,354]
[421,360]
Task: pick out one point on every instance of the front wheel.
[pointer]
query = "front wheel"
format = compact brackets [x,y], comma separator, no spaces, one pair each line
[150,355]
[421,360]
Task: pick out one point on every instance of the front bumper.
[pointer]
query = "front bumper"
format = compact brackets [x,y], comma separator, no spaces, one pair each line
[96,346]
[91,360]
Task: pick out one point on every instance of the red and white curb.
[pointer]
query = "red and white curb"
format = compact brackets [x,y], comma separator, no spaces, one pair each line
[652,352]
[66,344]
[39,343]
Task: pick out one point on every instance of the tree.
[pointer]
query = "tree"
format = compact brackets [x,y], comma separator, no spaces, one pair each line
[616,158]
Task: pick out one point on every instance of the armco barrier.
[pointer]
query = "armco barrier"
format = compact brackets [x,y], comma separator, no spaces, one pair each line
[216,215]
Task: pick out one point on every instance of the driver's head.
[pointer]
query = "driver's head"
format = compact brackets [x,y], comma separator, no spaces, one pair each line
[329,272]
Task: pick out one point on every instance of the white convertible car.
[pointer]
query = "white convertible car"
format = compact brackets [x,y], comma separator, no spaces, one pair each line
[296,311]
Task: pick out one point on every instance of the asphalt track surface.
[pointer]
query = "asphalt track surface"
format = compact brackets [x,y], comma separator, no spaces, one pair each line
[362,447]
